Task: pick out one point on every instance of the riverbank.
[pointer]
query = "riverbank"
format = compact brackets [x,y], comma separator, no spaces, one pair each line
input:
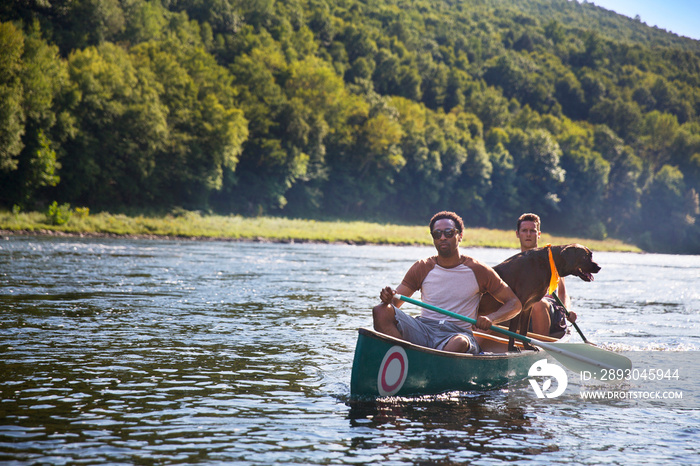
[192,225]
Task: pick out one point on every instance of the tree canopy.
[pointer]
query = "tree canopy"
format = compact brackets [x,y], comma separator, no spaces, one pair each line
[383,109]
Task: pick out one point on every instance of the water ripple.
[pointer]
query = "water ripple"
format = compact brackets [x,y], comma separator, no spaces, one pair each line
[144,352]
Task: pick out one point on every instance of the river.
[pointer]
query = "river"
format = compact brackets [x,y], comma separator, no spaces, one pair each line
[181,352]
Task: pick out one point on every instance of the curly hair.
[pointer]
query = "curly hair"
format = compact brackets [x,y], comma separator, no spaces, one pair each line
[449,215]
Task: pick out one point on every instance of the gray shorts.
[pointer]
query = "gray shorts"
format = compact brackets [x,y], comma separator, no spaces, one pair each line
[432,333]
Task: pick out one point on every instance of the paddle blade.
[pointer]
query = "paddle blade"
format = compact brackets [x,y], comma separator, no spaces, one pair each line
[581,357]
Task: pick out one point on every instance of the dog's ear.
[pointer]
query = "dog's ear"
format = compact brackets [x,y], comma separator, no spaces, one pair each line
[573,254]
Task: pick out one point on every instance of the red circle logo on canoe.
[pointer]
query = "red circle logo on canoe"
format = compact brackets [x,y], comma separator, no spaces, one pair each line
[392,371]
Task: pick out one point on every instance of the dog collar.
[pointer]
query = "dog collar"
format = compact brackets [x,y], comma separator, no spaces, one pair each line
[554,281]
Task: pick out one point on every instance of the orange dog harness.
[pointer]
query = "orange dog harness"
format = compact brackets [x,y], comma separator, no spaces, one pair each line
[554,281]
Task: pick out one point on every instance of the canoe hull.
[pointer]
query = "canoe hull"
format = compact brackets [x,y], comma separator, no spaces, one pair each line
[386,366]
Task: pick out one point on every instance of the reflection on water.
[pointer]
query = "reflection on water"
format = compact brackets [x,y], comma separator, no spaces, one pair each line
[461,427]
[184,352]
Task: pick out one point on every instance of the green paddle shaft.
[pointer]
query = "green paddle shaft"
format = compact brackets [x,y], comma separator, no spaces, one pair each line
[517,336]
[556,298]
[578,358]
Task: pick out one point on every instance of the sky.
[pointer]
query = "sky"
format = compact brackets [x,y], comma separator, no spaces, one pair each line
[681,17]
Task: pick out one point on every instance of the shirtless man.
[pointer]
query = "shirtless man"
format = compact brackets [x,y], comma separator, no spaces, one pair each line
[547,316]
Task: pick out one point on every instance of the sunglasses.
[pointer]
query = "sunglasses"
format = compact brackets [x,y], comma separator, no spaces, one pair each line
[448,232]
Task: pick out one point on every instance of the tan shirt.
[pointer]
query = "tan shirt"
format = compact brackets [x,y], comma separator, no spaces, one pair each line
[457,289]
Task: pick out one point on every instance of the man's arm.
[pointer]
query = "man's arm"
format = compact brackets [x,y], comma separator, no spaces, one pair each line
[510,308]
[387,294]
[561,292]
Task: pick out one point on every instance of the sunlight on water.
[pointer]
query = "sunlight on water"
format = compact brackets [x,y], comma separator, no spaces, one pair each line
[126,351]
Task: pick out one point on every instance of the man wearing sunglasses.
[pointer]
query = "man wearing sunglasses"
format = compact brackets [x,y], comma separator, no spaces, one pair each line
[450,281]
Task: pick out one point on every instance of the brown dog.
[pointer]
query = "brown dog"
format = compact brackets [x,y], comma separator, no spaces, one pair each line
[528,274]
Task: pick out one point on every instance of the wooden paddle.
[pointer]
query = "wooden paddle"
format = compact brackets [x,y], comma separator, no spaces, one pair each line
[578,357]
[556,298]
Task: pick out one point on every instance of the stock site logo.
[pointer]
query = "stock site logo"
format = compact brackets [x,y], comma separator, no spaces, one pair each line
[551,371]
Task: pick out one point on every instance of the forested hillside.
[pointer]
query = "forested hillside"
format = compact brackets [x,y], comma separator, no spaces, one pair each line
[375,109]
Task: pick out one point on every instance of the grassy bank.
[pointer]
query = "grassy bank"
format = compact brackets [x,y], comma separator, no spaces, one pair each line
[196,226]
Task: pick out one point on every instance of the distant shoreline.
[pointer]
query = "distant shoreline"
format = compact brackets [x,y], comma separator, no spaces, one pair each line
[192,226]
[138,236]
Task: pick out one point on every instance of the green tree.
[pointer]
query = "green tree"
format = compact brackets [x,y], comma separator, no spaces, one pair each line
[12,115]
[539,175]
[623,192]
[120,125]
[204,127]
[28,157]
[668,99]
[340,108]
[685,153]
[260,179]
[363,172]
[621,116]
[43,77]
[554,31]
[587,178]
[491,107]
[519,76]
[570,95]
[474,183]
[419,185]
[503,199]
[80,23]
[221,15]
[659,132]
[673,210]
[595,51]
[144,21]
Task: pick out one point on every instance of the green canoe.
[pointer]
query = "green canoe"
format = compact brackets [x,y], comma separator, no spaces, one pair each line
[386,366]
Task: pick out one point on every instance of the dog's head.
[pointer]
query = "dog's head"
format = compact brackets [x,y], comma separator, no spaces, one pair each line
[578,261]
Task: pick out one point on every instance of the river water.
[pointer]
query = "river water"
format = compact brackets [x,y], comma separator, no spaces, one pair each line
[154,351]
